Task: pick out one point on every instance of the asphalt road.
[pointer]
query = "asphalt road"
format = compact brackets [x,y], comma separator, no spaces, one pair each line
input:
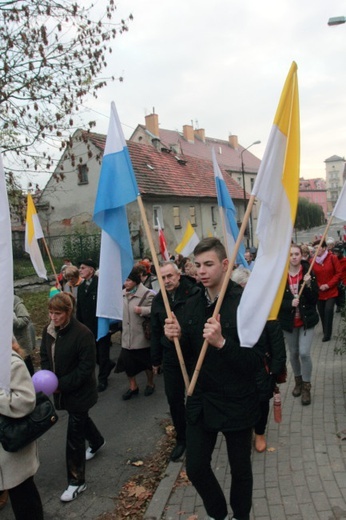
[131,429]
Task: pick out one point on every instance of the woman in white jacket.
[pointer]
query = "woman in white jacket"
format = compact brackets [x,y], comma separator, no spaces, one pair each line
[17,469]
[135,351]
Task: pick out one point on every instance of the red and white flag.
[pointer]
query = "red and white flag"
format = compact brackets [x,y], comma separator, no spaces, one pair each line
[162,243]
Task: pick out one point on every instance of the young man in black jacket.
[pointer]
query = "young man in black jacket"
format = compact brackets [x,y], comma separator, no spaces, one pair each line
[179,290]
[225,398]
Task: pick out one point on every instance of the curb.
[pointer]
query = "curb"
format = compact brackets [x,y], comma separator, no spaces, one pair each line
[163,492]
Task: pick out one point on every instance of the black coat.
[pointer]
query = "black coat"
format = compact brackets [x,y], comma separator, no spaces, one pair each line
[225,394]
[86,304]
[160,347]
[272,346]
[307,304]
[73,362]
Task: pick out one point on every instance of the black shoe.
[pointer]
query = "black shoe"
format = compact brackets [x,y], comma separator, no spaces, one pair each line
[149,390]
[177,452]
[129,393]
[326,339]
[102,387]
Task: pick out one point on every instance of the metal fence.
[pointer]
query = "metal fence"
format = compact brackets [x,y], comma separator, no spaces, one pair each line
[74,247]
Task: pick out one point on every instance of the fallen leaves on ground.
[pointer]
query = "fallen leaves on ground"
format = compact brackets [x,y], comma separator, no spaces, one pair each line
[182,480]
[133,499]
[136,462]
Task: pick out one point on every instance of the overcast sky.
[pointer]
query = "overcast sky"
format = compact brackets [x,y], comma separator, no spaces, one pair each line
[223,64]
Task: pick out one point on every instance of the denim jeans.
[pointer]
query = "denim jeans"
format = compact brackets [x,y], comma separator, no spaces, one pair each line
[299,343]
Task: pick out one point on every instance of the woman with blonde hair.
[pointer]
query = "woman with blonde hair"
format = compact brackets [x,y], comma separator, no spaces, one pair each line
[298,317]
[72,279]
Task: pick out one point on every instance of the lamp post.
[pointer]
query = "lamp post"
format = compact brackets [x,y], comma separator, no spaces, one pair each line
[243,177]
[337,20]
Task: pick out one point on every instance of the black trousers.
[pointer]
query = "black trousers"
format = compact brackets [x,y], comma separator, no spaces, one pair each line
[175,393]
[340,300]
[326,312]
[25,501]
[80,429]
[200,446]
[261,425]
[103,359]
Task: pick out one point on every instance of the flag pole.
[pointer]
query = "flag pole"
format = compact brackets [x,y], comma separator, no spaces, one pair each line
[315,255]
[224,231]
[222,292]
[162,287]
[50,260]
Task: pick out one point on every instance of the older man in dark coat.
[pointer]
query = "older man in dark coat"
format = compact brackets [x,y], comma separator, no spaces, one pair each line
[86,314]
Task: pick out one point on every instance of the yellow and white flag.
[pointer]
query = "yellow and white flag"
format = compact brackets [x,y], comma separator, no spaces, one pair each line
[277,186]
[33,232]
[189,242]
[6,283]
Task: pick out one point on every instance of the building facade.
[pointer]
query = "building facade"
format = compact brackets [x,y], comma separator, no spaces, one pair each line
[335,178]
[173,190]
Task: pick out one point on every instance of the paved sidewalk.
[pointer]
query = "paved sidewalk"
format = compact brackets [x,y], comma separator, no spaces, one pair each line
[302,475]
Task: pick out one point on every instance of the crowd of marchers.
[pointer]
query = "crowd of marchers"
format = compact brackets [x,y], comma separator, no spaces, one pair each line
[234,386]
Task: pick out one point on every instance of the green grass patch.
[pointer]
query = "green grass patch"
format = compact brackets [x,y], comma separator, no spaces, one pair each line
[22,267]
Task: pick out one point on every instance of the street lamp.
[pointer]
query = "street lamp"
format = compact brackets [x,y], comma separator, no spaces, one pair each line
[337,20]
[243,177]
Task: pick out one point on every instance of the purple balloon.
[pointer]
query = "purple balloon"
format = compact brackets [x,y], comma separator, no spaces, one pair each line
[45,381]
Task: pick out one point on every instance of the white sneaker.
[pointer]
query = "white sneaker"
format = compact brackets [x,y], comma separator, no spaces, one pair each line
[72,492]
[91,452]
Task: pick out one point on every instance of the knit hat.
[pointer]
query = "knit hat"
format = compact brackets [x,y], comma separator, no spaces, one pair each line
[135,276]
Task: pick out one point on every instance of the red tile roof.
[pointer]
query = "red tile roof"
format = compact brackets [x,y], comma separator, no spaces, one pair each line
[227,156]
[160,173]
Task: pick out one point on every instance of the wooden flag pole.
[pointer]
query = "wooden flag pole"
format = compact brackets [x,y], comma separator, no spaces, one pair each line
[222,292]
[50,259]
[162,287]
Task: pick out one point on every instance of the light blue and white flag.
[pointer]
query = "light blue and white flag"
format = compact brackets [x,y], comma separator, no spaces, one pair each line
[6,283]
[117,187]
[229,214]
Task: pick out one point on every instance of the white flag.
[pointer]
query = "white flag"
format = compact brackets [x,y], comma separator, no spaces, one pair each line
[6,284]
[339,210]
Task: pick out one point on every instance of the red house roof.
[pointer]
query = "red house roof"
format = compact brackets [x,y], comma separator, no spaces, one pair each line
[227,156]
[165,174]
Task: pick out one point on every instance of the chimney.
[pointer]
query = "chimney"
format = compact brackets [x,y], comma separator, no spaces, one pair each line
[188,133]
[233,141]
[200,133]
[152,124]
